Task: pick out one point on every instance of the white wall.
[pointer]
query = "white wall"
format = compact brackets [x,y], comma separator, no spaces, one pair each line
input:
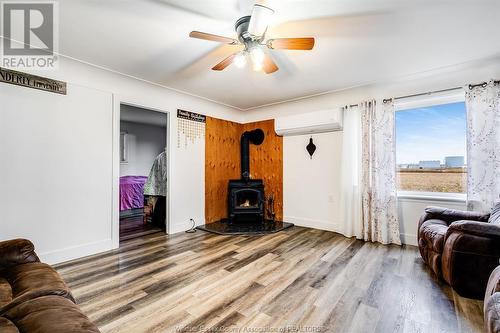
[56,164]
[144,143]
[308,208]
[310,195]
[67,220]
[410,210]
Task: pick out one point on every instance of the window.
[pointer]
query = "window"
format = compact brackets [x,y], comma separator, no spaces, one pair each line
[431,148]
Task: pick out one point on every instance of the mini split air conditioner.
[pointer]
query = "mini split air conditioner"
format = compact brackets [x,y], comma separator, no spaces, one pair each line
[312,122]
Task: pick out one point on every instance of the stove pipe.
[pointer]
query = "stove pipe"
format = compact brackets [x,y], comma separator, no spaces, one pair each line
[255,137]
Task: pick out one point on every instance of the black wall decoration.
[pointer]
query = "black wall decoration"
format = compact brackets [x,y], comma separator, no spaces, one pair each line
[311,147]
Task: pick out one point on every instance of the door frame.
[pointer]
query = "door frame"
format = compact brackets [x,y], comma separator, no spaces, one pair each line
[115,214]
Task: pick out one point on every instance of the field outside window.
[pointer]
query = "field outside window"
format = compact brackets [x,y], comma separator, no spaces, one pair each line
[431,149]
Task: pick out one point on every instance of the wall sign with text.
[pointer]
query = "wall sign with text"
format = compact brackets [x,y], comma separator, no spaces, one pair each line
[191,116]
[32,81]
[190,127]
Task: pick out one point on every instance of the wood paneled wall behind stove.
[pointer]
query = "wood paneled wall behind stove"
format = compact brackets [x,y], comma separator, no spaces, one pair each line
[266,162]
[222,163]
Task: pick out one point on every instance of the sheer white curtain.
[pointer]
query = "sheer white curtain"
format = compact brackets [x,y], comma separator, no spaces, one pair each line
[351,223]
[368,200]
[380,216]
[483,145]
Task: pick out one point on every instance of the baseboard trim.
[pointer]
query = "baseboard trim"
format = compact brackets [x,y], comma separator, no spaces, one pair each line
[408,239]
[309,223]
[75,252]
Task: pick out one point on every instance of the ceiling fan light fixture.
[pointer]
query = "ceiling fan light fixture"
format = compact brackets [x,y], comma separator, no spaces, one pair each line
[257,55]
[251,31]
[257,66]
[240,60]
[260,19]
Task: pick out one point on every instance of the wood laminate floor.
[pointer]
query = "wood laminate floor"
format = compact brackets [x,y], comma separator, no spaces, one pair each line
[133,227]
[304,279]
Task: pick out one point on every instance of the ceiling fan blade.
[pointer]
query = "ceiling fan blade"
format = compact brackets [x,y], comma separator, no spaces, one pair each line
[259,20]
[212,37]
[268,65]
[224,63]
[306,43]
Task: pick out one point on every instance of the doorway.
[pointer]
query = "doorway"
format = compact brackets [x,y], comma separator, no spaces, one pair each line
[143,172]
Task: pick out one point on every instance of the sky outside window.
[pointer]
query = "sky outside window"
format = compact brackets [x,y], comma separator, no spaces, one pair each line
[430,133]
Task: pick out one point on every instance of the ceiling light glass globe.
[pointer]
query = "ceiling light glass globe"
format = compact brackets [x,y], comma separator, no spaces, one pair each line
[257,55]
[240,60]
[257,66]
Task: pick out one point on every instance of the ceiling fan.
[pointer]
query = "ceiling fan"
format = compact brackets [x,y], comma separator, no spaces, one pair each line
[251,31]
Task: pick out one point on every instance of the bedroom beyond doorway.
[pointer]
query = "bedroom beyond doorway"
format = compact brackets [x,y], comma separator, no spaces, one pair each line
[143,171]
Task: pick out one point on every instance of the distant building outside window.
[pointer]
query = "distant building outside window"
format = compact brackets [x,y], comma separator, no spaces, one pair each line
[431,148]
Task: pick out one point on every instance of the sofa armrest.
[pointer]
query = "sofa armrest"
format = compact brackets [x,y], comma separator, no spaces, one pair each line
[15,252]
[451,215]
[476,228]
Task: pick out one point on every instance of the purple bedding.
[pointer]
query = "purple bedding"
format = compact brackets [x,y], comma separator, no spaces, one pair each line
[132,192]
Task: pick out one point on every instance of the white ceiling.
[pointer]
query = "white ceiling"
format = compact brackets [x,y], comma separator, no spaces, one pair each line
[357,42]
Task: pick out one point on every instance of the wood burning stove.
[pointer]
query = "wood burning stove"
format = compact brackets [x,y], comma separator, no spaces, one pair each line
[246,198]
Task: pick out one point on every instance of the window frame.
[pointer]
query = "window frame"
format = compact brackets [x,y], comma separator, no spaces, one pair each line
[421,102]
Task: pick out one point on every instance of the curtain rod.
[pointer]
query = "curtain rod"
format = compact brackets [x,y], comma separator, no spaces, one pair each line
[471,86]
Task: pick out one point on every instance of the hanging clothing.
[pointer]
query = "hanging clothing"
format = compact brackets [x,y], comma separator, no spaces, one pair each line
[157,180]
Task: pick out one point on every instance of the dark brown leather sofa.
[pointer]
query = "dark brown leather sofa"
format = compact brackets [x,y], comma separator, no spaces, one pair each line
[492,303]
[461,247]
[33,297]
